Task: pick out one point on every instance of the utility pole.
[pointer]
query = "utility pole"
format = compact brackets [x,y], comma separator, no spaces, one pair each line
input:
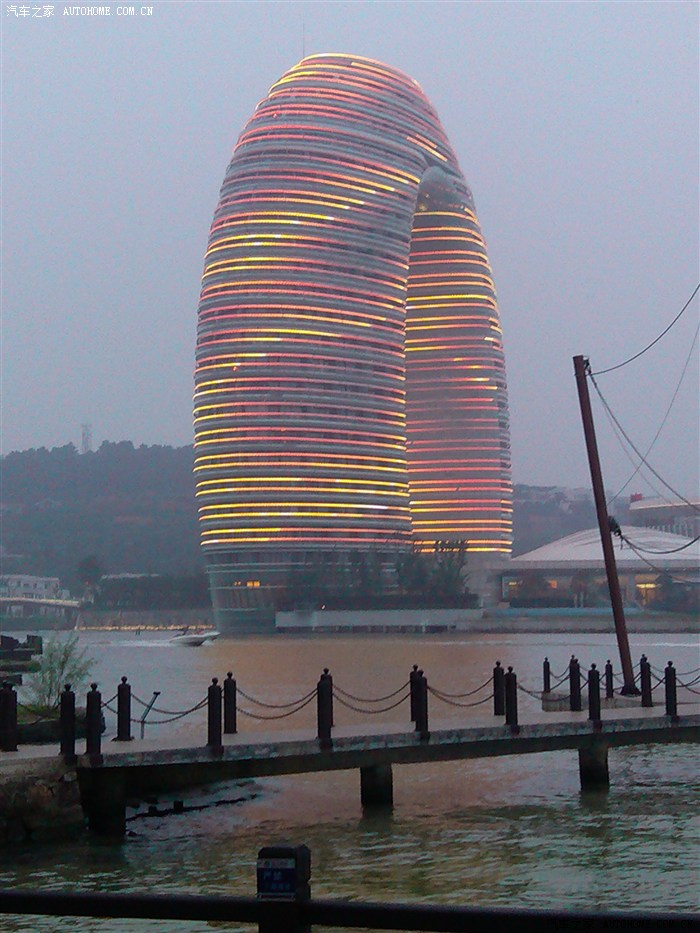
[581,370]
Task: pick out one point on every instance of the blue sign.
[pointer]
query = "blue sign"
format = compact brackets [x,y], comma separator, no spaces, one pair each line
[277,877]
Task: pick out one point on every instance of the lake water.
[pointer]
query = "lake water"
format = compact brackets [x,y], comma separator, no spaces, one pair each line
[513,832]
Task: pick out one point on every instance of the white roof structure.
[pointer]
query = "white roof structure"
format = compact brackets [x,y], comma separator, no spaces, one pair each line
[648,551]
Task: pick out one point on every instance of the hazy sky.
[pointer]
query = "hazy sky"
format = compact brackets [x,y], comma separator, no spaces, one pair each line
[576,125]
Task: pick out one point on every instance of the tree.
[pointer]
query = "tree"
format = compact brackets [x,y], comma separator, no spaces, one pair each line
[89,574]
[412,573]
[62,662]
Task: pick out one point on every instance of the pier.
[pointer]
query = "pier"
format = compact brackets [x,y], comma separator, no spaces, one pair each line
[111,773]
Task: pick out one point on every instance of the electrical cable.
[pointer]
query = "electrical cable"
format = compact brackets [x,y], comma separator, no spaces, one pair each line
[664,419]
[663,332]
[646,550]
[662,572]
[641,457]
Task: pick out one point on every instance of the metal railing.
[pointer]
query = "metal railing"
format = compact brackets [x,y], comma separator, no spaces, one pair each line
[297,916]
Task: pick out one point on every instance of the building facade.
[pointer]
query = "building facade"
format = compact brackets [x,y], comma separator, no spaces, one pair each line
[350,391]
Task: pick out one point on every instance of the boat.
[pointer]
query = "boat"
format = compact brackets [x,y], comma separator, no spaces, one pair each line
[194,637]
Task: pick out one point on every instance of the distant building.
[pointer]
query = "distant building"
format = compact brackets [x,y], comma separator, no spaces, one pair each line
[350,387]
[27,587]
[571,572]
[678,517]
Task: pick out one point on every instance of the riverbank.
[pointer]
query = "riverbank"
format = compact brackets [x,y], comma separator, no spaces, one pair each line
[39,802]
[479,622]
[376,622]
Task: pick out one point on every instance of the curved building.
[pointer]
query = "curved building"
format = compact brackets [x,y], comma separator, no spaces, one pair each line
[350,389]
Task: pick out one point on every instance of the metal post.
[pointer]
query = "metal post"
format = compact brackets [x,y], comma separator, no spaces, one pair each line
[67,725]
[327,676]
[594,694]
[574,685]
[645,682]
[609,687]
[214,716]
[3,716]
[324,711]
[230,707]
[499,696]
[510,684]
[546,676]
[8,718]
[147,710]
[422,707]
[581,370]
[671,692]
[124,712]
[93,722]
[412,687]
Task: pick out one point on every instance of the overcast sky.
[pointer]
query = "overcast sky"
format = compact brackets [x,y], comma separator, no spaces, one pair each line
[576,125]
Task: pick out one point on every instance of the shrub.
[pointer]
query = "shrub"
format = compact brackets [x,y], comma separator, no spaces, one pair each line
[63,662]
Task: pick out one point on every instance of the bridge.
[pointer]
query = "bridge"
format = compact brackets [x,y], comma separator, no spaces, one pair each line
[112,773]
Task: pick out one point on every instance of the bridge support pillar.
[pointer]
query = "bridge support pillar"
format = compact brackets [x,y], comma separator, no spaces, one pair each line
[376,786]
[593,766]
[104,800]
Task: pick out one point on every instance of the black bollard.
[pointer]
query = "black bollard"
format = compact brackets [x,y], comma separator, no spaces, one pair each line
[510,684]
[594,694]
[422,707]
[671,692]
[546,677]
[3,716]
[67,724]
[574,684]
[324,711]
[412,689]
[645,682]
[609,688]
[124,712]
[93,722]
[327,676]
[499,695]
[214,716]
[230,705]
[8,718]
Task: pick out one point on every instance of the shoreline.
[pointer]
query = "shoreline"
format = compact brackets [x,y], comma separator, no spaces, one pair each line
[520,626]
[494,621]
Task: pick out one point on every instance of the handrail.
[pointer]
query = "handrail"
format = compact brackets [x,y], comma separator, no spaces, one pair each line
[292,915]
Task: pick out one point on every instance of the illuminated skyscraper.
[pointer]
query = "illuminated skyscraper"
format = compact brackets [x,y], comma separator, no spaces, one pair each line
[350,390]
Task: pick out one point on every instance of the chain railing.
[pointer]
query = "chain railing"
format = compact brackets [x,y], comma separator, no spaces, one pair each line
[222,703]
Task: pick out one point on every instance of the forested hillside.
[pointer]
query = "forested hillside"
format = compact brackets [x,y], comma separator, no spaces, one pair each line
[133,509]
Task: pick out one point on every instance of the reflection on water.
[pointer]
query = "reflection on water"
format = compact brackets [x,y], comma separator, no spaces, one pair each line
[491,832]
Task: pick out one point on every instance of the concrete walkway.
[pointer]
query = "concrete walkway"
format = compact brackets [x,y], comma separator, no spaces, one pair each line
[37,757]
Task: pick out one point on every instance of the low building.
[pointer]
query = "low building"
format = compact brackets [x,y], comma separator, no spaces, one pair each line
[653,568]
[25,588]
[680,517]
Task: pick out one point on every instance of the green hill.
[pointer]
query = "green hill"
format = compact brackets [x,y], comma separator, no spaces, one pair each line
[133,508]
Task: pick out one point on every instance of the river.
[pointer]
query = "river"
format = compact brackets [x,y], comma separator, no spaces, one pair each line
[513,832]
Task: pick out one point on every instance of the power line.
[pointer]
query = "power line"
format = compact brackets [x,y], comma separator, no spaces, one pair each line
[641,457]
[663,421]
[661,571]
[663,332]
[674,550]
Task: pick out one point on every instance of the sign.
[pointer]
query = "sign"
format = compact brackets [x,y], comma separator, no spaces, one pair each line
[283,873]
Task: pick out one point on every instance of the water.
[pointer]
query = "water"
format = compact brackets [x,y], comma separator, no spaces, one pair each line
[492,832]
